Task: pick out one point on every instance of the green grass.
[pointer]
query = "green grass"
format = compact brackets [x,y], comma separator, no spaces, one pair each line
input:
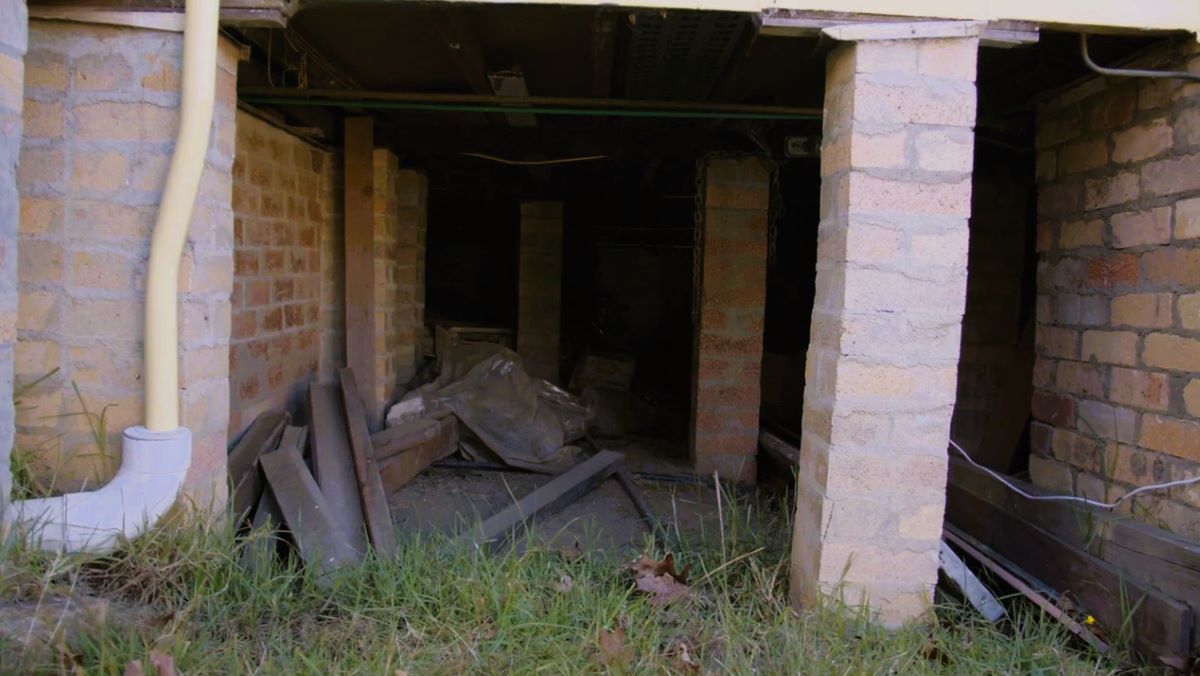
[438,609]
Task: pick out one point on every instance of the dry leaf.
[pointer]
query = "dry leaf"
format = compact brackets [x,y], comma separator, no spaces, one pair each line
[134,668]
[565,584]
[164,664]
[648,566]
[683,660]
[571,553]
[663,589]
[613,651]
[401,672]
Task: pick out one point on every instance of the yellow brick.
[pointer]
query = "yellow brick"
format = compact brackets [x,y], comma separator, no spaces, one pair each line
[39,165]
[1180,438]
[99,171]
[1142,142]
[1189,311]
[39,262]
[1140,228]
[1077,234]
[42,119]
[44,71]
[1083,155]
[1110,347]
[36,310]
[164,76]
[102,72]
[12,76]
[40,216]
[1172,352]
[1191,397]
[1187,218]
[1148,310]
[103,270]
[34,359]
[125,122]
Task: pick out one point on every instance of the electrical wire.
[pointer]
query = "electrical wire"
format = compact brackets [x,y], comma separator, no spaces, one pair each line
[535,163]
[1131,72]
[1073,498]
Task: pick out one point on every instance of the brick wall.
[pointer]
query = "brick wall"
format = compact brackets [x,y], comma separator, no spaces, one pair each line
[13,39]
[896,161]
[401,202]
[539,288]
[1117,376]
[101,113]
[282,217]
[729,340]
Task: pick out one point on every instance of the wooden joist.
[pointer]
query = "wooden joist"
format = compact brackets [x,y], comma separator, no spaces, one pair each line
[262,436]
[1141,552]
[404,436]
[376,514]
[306,511]
[359,239]
[560,491]
[1161,626]
[333,464]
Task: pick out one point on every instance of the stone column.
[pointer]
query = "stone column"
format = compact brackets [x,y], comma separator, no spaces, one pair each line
[14,26]
[891,285]
[726,388]
[539,288]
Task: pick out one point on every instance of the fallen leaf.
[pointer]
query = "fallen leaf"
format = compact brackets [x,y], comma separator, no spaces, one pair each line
[648,566]
[613,651]
[565,584]
[683,659]
[663,589]
[401,672]
[134,668]
[571,553]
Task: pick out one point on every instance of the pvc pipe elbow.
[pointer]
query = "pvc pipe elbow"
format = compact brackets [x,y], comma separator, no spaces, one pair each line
[153,467]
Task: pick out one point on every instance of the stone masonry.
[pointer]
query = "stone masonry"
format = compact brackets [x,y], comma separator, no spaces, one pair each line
[539,288]
[726,388]
[281,211]
[101,114]
[1117,374]
[401,204]
[13,40]
[891,280]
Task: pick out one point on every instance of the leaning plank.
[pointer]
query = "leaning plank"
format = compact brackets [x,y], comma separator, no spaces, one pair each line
[968,585]
[333,464]
[1161,626]
[400,468]
[262,436]
[1143,553]
[294,437]
[376,514]
[306,511]
[560,491]
[264,531]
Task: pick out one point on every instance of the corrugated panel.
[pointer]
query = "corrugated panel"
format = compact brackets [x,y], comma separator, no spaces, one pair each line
[680,55]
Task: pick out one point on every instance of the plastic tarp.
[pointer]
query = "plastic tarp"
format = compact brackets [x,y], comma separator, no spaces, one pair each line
[528,423]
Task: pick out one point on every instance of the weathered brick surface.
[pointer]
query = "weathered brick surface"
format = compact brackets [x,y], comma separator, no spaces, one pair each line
[283,209]
[401,213]
[90,182]
[539,288]
[13,38]
[732,298]
[1122,235]
[886,326]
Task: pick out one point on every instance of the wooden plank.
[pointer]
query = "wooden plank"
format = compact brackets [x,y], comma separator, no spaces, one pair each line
[800,23]
[400,468]
[268,520]
[402,437]
[1161,627]
[262,436]
[294,437]
[306,512]
[555,494]
[604,43]
[783,453]
[376,514]
[333,464]
[968,585]
[359,236]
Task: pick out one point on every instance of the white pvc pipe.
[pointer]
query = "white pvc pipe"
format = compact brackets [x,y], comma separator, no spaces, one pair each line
[154,458]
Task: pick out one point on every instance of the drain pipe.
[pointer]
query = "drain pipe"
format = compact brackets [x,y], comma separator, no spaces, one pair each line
[155,458]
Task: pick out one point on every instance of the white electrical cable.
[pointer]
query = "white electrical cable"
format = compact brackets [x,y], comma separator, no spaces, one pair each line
[535,163]
[1072,498]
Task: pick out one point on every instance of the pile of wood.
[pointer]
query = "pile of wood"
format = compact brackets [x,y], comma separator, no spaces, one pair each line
[324,486]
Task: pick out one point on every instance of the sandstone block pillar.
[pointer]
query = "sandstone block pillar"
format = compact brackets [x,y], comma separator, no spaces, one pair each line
[539,288]
[13,37]
[890,291]
[726,389]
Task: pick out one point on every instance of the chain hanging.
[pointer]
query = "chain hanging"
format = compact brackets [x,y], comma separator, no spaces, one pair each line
[774,215]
